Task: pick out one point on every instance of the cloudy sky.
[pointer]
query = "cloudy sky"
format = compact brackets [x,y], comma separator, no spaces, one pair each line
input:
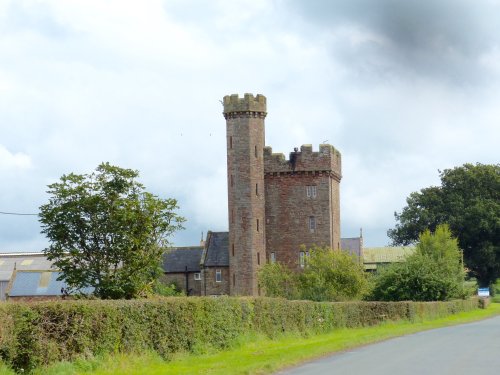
[402,88]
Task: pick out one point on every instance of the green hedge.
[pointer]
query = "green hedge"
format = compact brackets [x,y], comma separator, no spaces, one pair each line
[40,333]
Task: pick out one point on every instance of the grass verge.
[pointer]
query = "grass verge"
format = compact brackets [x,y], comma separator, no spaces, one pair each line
[257,355]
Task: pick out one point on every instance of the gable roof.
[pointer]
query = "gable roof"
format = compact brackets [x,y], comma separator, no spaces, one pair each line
[354,246]
[216,250]
[39,283]
[178,258]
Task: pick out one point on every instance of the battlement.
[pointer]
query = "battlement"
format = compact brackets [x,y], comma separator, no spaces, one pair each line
[249,103]
[327,159]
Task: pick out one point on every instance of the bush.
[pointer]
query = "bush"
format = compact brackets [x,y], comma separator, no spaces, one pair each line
[332,276]
[279,281]
[433,273]
[40,333]
[171,290]
[327,276]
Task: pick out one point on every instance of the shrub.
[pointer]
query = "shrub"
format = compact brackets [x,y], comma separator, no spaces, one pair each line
[332,276]
[328,275]
[433,273]
[40,333]
[279,281]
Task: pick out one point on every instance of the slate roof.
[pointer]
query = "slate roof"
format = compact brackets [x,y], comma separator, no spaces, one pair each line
[38,283]
[352,245]
[217,249]
[176,259]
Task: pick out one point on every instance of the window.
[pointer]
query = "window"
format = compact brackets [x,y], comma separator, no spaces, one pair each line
[218,276]
[312,224]
[302,259]
[232,215]
[232,248]
[258,259]
[197,276]
[256,189]
[230,142]
[257,225]
[311,191]
[255,151]
[273,257]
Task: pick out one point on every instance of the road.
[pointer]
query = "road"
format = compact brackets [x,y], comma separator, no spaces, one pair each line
[472,348]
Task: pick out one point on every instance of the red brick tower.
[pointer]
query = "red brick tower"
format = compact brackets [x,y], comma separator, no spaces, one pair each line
[245,175]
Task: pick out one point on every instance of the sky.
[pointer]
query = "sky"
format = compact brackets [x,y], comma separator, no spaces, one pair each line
[403,89]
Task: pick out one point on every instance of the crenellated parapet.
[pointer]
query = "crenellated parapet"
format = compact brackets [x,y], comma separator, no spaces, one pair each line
[326,160]
[248,106]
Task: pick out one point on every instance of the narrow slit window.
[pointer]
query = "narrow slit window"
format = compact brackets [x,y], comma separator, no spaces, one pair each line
[218,276]
[256,189]
[302,259]
[273,257]
[230,142]
[258,259]
[232,248]
[255,151]
[257,225]
[312,224]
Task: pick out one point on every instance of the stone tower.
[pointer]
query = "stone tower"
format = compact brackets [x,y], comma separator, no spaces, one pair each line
[245,179]
[302,202]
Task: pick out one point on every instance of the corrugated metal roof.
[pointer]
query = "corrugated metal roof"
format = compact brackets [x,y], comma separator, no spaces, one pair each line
[22,261]
[389,254]
[39,283]
[177,259]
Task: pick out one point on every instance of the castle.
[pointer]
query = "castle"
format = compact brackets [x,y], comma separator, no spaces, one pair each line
[277,208]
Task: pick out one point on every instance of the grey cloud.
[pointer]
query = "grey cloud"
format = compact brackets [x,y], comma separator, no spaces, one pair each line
[435,39]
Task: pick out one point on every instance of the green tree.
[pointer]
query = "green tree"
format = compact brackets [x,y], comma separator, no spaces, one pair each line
[107,232]
[469,201]
[332,276]
[278,281]
[164,290]
[433,273]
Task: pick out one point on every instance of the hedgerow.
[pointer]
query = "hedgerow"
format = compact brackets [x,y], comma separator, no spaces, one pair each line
[40,333]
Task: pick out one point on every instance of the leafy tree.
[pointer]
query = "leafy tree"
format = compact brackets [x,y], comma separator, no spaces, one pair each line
[107,232]
[278,281]
[328,276]
[332,276]
[433,273]
[469,201]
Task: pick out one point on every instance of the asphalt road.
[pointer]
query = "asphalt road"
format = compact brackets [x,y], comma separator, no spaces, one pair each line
[472,348]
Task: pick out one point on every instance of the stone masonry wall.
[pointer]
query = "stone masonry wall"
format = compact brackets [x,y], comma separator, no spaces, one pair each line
[327,159]
[179,279]
[211,287]
[289,209]
[245,174]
